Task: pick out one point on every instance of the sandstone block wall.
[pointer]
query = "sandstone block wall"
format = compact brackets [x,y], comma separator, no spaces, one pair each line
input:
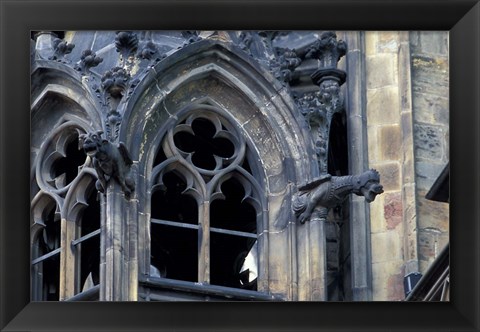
[430,88]
[407,121]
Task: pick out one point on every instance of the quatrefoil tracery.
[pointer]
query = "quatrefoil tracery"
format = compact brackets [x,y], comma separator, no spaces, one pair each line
[205,141]
[205,150]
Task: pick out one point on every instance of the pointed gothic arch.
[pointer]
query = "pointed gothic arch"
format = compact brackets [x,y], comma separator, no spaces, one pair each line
[216,75]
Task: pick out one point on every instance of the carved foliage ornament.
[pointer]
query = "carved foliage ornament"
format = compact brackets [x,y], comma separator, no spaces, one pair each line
[88,60]
[126,43]
[60,49]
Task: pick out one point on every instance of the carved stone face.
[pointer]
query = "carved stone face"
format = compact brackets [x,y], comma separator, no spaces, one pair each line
[371,190]
[90,142]
[368,185]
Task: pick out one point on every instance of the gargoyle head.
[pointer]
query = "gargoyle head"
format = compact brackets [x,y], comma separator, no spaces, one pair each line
[90,142]
[368,184]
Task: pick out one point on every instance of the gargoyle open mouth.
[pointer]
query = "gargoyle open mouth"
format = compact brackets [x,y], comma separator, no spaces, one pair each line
[90,148]
[370,192]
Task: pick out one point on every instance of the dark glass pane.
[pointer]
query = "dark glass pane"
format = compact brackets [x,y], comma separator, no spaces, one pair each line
[69,165]
[91,215]
[88,251]
[230,266]
[89,263]
[159,157]
[231,213]
[174,253]
[49,239]
[171,204]
[50,272]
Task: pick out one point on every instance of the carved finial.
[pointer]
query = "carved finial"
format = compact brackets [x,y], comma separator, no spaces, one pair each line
[115,82]
[327,50]
[148,51]
[60,49]
[88,60]
[126,43]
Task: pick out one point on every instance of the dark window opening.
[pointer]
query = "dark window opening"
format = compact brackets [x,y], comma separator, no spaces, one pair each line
[337,226]
[91,214]
[69,165]
[89,263]
[46,269]
[230,226]
[49,271]
[88,250]
[50,236]
[174,253]
[338,146]
[232,213]
[159,158]
[229,266]
[171,204]
[246,166]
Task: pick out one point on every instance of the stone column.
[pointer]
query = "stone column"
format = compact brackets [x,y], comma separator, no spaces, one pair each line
[119,267]
[328,101]
[358,162]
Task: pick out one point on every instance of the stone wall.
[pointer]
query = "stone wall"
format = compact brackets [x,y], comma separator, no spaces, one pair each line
[429,53]
[407,120]
[388,150]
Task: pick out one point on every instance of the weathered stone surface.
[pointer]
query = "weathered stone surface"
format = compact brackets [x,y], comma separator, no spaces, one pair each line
[395,288]
[383,106]
[389,175]
[426,245]
[410,221]
[430,42]
[377,218]
[386,246]
[382,71]
[384,276]
[429,142]
[431,108]
[390,141]
[408,158]
[388,42]
[426,174]
[373,146]
[428,69]
[393,210]
[434,214]
[371,39]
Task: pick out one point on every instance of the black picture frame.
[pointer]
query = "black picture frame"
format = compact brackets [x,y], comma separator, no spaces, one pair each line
[18,18]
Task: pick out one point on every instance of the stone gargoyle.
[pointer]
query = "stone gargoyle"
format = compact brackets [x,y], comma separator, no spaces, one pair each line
[329,191]
[109,160]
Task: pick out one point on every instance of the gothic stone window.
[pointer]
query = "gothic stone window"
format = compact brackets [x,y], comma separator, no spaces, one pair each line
[66,218]
[206,205]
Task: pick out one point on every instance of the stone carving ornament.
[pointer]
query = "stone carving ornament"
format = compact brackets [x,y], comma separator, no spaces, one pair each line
[329,191]
[109,160]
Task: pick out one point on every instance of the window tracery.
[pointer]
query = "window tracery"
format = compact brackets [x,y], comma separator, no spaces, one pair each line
[206,206]
[66,217]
